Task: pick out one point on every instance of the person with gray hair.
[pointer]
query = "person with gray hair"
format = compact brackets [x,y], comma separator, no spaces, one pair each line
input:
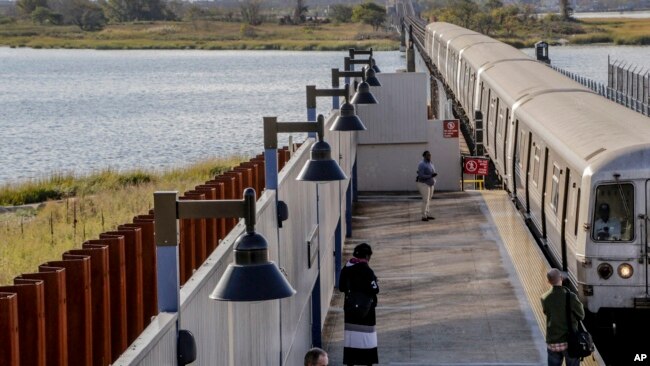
[316,357]
[557,330]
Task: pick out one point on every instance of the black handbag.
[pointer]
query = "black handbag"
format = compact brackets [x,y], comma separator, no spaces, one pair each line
[357,304]
[580,342]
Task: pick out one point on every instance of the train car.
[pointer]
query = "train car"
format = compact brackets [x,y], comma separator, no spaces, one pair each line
[577,164]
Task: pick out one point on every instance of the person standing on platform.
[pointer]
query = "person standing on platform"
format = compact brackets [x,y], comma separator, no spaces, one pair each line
[358,281]
[316,357]
[426,180]
[557,329]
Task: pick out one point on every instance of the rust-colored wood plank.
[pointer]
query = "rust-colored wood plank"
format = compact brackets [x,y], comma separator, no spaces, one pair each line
[134,304]
[246,176]
[211,237]
[186,248]
[230,193]
[219,195]
[253,166]
[117,274]
[239,183]
[100,300]
[9,335]
[56,317]
[261,172]
[149,279]
[79,307]
[200,231]
[31,320]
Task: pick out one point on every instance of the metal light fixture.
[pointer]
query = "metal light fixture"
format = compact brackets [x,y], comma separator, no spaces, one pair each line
[320,168]
[371,78]
[347,120]
[373,65]
[347,61]
[252,277]
[363,94]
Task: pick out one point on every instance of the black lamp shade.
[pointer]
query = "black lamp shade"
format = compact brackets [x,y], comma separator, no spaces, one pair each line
[321,168]
[374,66]
[347,120]
[363,95]
[371,78]
[252,277]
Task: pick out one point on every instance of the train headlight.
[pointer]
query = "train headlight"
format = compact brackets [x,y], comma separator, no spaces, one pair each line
[625,270]
[605,270]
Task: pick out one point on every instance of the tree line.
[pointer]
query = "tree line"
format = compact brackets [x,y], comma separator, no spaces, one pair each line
[93,15]
[494,18]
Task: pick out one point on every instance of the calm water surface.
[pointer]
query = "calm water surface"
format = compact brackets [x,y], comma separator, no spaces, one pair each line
[84,110]
[591,61]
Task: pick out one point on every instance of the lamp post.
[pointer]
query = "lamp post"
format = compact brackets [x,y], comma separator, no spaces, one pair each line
[362,96]
[320,168]
[252,277]
[369,52]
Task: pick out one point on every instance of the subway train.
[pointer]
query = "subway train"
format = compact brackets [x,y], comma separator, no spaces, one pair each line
[575,163]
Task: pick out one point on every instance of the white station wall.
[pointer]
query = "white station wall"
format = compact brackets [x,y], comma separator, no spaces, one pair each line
[398,133]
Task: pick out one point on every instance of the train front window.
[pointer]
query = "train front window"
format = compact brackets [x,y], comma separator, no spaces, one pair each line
[614,213]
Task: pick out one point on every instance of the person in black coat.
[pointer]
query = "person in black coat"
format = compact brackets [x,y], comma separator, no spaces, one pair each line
[357,280]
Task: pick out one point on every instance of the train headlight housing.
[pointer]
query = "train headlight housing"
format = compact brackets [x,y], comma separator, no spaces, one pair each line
[625,270]
[605,270]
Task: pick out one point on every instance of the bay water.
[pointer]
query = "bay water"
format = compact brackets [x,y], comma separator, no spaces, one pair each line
[81,111]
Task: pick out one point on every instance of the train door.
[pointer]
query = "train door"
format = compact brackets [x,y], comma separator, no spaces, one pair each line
[565,197]
[516,160]
[527,162]
[544,189]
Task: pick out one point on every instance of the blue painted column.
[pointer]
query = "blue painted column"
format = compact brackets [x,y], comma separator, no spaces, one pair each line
[316,337]
[338,253]
[168,282]
[355,191]
[348,211]
[271,169]
[311,116]
[335,102]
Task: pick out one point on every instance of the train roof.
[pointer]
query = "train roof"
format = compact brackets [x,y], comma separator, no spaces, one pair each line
[484,54]
[520,78]
[440,27]
[585,127]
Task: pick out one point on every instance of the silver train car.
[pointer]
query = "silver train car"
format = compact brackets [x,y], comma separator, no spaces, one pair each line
[575,163]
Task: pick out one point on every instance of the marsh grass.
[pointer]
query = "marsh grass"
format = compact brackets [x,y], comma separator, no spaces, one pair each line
[202,34]
[35,234]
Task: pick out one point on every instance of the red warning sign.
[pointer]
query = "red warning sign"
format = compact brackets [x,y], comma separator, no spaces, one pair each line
[474,165]
[450,128]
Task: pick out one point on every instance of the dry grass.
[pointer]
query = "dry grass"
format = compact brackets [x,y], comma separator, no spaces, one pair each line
[31,236]
[202,34]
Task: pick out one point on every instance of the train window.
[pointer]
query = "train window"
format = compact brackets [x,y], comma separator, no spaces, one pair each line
[614,213]
[536,164]
[555,188]
[521,142]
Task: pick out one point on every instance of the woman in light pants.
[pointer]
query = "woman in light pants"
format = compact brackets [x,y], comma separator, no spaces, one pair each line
[426,181]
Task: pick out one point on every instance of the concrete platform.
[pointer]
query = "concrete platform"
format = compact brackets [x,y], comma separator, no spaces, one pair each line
[449,292]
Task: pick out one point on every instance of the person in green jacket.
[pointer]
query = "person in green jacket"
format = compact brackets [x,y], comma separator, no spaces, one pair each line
[557,331]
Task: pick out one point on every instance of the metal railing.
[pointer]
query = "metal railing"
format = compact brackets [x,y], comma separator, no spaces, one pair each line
[625,87]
